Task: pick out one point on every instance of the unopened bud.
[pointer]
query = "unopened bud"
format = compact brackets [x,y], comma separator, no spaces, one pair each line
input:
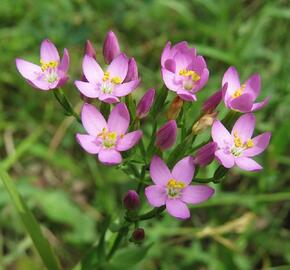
[213,101]
[204,122]
[131,200]
[166,135]
[174,108]
[138,235]
[89,50]
[206,154]
[111,48]
[145,104]
[132,73]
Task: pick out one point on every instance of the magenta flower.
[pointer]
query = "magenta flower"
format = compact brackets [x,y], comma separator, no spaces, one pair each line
[206,154]
[241,97]
[145,103]
[132,73]
[111,48]
[166,135]
[213,101]
[89,50]
[51,73]
[172,188]
[183,71]
[107,139]
[237,147]
[107,86]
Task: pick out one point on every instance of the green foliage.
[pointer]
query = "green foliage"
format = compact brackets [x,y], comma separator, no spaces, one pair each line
[245,226]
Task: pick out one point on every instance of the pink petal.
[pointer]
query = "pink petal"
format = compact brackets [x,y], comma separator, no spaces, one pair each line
[119,119]
[248,164]
[119,67]
[124,89]
[159,171]
[177,208]
[92,70]
[226,159]
[245,126]
[203,80]
[41,84]
[243,103]
[186,95]
[220,134]
[28,70]
[129,140]
[165,53]
[110,157]
[184,170]
[260,105]
[156,195]
[64,64]
[196,194]
[108,98]
[169,80]
[170,65]
[88,143]
[92,120]
[253,85]
[87,89]
[260,144]
[182,60]
[48,52]
[198,64]
[231,77]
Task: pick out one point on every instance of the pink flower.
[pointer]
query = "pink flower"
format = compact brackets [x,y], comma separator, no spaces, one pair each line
[183,71]
[107,139]
[144,105]
[238,147]
[241,97]
[107,86]
[51,73]
[166,135]
[111,48]
[172,188]
[205,155]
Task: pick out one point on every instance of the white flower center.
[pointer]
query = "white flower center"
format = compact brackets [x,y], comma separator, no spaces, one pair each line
[174,188]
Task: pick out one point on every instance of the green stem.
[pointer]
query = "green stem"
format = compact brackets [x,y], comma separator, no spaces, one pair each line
[121,234]
[151,214]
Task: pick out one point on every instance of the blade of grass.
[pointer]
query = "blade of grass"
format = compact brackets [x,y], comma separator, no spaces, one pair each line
[31,225]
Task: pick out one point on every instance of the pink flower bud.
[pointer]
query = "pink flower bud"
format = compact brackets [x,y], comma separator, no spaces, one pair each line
[138,235]
[89,50]
[205,154]
[213,101]
[131,200]
[145,104]
[111,48]
[166,135]
[132,73]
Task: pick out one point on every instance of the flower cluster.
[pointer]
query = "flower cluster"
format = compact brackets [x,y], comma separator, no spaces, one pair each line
[113,121]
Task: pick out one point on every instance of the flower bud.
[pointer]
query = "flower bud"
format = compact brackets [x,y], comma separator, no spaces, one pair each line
[111,48]
[145,104]
[213,101]
[205,155]
[138,235]
[166,135]
[204,122]
[131,200]
[89,50]
[132,73]
[174,108]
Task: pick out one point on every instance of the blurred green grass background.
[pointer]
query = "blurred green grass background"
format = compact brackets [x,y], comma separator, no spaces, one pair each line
[248,221]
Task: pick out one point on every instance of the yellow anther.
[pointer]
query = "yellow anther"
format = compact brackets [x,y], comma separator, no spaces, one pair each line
[116,80]
[112,135]
[106,76]
[50,64]
[172,183]
[249,143]
[237,140]
[194,76]
[239,91]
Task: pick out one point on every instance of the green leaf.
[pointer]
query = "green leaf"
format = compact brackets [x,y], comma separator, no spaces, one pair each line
[127,257]
[41,244]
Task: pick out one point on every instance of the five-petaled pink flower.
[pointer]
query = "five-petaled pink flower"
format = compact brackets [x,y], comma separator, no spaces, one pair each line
[107,139]
[241,97]
[107,86]
[183,71]
[51,73]
[237,147]
[173,189]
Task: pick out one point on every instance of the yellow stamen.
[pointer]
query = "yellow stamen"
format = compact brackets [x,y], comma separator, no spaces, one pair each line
[106,76]
[116,80]
[172,183]
[237,140]
[239,91]
[249,143]
[50,64]
[194,76]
